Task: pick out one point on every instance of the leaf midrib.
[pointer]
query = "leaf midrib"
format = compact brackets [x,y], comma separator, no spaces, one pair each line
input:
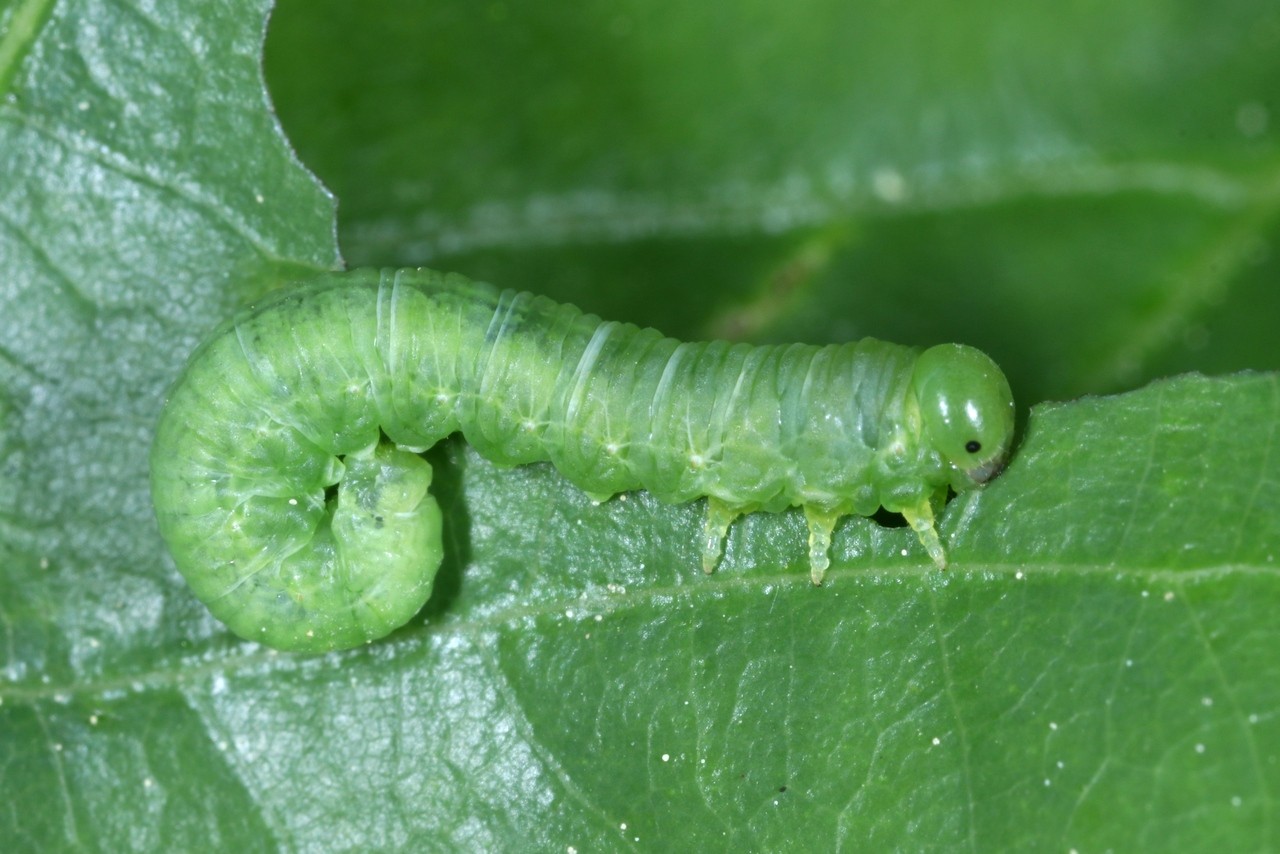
[198,668]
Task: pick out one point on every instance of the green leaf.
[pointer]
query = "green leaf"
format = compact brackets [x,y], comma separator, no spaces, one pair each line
[1089,193]
[1082,193]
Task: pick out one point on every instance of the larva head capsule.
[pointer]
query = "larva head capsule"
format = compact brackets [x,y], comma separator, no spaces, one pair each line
[966,409]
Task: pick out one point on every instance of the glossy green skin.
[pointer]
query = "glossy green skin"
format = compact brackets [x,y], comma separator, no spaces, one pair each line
[295,395]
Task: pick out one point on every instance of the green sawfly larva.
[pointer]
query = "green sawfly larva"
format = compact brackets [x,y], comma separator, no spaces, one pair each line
[290,488]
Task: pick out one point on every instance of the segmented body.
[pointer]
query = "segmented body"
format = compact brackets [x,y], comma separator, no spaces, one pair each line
[344,381]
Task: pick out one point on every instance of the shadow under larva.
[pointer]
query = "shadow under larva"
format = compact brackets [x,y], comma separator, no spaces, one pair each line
[290,488]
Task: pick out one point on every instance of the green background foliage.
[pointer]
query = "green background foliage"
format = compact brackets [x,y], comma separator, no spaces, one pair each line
[1088,193]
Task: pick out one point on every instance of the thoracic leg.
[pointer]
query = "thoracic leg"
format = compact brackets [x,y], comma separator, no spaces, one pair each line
[821,525]
[719,517]
[920,518]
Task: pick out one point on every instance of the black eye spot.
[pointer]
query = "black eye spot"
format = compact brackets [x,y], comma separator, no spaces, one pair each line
[973,446]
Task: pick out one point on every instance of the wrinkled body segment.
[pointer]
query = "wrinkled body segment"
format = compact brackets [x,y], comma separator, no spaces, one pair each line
[343,382]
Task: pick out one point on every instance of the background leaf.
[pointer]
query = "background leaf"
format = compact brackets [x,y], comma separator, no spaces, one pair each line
[1080,193]
[1087,193]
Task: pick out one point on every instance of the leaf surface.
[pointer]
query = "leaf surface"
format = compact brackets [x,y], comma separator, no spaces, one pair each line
[1089,195]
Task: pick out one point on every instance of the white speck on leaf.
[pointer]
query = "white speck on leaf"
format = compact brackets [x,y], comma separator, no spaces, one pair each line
[889,185]
[1252,118]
